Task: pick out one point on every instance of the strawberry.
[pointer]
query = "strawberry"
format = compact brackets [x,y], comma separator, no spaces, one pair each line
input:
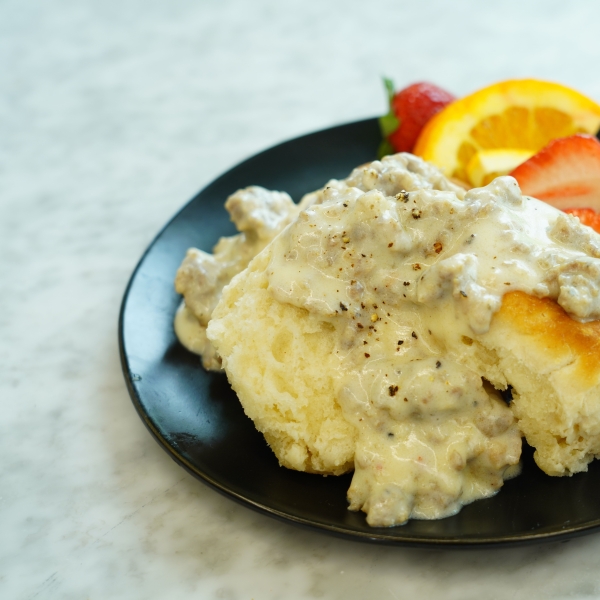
[588,216]
[410,109]
[565,173]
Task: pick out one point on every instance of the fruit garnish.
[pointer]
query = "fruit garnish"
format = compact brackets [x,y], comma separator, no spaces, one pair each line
[409,110]
[489,164]
[522,114]
[588,216]
[565,173]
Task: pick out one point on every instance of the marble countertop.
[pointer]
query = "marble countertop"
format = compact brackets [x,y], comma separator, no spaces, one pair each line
[112,115]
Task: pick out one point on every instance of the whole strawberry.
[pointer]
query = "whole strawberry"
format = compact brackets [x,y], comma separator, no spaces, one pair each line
[410,109]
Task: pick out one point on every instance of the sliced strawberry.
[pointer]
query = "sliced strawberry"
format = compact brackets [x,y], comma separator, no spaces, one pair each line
[410,109]
[566,173]
[588,216]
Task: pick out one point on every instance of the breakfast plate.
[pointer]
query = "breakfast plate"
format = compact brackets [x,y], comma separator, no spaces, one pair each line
[195,416]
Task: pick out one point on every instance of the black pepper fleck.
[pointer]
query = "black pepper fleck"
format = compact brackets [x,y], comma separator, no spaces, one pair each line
[393,389]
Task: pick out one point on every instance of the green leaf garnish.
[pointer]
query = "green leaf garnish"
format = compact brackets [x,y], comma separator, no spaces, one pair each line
[389,87]
[388,123]
[384,149]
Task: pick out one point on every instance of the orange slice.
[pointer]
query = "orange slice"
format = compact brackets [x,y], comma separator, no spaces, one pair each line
[519,114]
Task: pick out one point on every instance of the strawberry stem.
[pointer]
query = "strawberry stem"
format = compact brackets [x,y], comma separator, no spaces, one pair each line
[389,86]
[389,122]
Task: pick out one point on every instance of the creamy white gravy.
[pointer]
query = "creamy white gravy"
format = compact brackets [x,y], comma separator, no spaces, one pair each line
[259,215]
[402,263]
[401,277]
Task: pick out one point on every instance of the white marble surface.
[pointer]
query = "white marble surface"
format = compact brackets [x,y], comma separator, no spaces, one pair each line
[112,115]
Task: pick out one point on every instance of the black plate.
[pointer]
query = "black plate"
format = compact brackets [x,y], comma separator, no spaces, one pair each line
[197,419]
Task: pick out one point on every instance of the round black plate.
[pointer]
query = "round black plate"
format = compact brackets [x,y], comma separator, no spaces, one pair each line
[197,419]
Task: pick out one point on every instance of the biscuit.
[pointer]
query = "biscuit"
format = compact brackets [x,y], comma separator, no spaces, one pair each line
[553,364]
[281,362]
